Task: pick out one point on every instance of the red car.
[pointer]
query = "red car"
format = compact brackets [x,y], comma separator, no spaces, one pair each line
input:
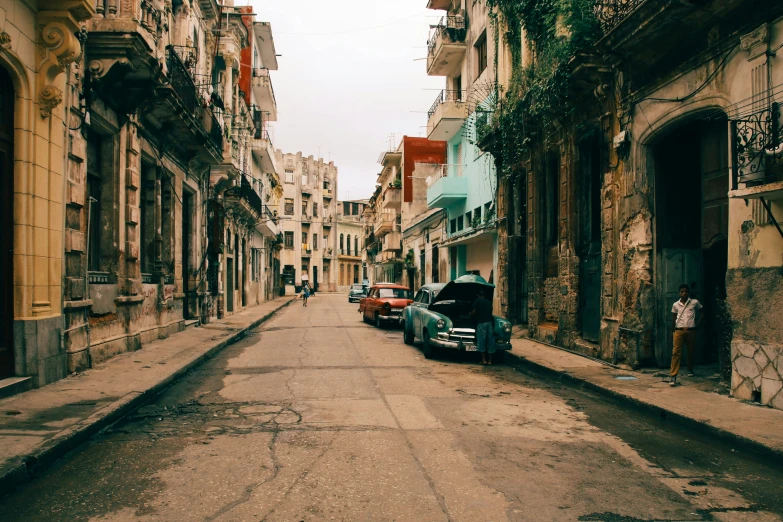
[385,303]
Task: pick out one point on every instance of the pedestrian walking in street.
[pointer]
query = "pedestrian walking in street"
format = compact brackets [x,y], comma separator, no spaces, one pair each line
[685,324]
[305,293]
[485,338]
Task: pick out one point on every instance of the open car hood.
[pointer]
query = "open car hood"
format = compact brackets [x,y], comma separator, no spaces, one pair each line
[465,288]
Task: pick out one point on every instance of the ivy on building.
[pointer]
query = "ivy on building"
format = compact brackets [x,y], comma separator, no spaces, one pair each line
[538,94]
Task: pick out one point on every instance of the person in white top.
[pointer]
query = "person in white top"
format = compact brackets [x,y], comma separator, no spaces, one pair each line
[685,324]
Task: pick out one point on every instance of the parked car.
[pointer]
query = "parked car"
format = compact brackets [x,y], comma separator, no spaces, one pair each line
[441,317]
[384,304]
[356,292]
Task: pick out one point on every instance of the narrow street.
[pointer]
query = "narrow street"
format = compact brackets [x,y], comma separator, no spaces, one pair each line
[317,416]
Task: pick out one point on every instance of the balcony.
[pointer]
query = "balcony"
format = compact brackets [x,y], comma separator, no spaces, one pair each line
[264,152]
[328,221]
[439,5]
[328,253]
[386,223]
[327,193]
[263,93]
[392,198]
[124,70]
[306,252]
[307,189]
[447,187]
[350,254]
[392,242]
[244,200]
[268,225]
[305,219]
[446,46]
[662,34]
[446,116]
[757,154]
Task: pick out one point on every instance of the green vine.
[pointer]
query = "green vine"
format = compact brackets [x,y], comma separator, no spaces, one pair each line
[538,95]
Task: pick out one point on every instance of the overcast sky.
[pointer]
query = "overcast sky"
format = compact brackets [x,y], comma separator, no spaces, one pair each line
[347,80]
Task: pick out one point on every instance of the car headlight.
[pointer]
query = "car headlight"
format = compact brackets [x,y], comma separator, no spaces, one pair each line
[440,324]
[507,328]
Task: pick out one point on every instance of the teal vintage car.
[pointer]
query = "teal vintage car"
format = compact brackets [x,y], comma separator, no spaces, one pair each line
[440,316]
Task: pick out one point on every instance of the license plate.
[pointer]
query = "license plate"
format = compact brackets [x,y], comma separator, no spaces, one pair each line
[470,347]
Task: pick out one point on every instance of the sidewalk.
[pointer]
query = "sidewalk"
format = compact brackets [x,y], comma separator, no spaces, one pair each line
[39,426]
[756,428]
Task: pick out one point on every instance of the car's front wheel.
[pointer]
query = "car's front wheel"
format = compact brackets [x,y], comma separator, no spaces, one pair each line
[427,348]
[378,323]
[407,334]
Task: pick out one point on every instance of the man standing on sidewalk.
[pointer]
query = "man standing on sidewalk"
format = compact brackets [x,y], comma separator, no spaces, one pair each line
[685,324]
[485,339]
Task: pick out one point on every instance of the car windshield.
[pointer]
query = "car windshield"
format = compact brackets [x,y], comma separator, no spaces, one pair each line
[399,293]
[359,288]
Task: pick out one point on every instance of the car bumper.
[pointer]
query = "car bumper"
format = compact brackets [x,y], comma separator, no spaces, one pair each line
[388,318]
[469,347]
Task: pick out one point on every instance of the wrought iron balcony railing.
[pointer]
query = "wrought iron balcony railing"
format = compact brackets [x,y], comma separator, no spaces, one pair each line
[181,80]
[246,192]
[452,27]
[444,96]
[757,148]
[611,12]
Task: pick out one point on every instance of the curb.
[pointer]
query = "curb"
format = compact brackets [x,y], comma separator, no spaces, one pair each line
[24,467]
[749,445]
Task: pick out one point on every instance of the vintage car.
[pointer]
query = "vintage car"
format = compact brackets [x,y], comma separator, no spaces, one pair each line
[384,303]
[356,292]
[440,316]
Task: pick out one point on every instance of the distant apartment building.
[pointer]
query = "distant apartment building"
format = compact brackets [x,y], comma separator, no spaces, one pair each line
[350,243]
[308,211]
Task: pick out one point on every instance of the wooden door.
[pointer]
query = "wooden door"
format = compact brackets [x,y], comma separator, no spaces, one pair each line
[6,221]
[676,266]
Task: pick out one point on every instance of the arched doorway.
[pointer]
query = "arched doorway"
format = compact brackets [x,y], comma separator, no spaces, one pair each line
[691,228]
[6,222]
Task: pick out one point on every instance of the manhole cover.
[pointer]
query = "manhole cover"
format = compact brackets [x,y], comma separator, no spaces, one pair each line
[625,378]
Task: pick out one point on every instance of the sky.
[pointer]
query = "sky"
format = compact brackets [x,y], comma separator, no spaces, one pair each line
[352,74]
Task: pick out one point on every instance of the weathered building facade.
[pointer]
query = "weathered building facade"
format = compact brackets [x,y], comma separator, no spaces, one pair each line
[157,220]
[661,169]
[308,210]
[350,243]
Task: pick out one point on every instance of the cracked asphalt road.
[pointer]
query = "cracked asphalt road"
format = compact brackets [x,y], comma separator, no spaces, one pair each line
[316,416]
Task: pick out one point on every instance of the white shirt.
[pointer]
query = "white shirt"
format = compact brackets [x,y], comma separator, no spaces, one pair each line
[686,313]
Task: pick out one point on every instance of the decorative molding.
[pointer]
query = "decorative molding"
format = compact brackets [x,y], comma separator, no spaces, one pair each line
[5,40]
[756,42]
[49,98]
[62,42]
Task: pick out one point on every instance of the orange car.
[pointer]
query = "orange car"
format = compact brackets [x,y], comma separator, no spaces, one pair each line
[385,303]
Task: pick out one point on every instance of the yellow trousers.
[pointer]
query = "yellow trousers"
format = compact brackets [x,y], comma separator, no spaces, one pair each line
[687,339]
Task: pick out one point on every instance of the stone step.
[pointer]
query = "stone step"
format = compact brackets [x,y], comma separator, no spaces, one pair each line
[14,385]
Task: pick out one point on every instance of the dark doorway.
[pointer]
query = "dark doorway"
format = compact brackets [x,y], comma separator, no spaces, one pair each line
[230,284]
[516,204]
[6,221]
[315,278]
[590,181]
[244,272]
[187,230]
[691,228]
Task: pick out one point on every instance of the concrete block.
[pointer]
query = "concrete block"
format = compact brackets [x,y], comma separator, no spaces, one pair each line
[74,287]
[52,369]
[131,250]
[103,298]
[743,391]
[132,178]
[75,196]
[131,214]
[74,241]
[769,389]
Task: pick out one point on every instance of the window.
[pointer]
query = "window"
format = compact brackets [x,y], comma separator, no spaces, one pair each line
[304,208]
[422,264]
[315,241]
[460,223]
[418,297]
[354,209]
[453,226]
[469,218]
[94,145]
[477,215]
[288,237]
[393,293]
[342,236]
[552,199]
[326,241]
[289,207]
[481,53]
[348,245]
[289,176]
[356,274]
[304,179]
[315,209]
[346,208]
[458,88]
[304,240]
[356,244]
